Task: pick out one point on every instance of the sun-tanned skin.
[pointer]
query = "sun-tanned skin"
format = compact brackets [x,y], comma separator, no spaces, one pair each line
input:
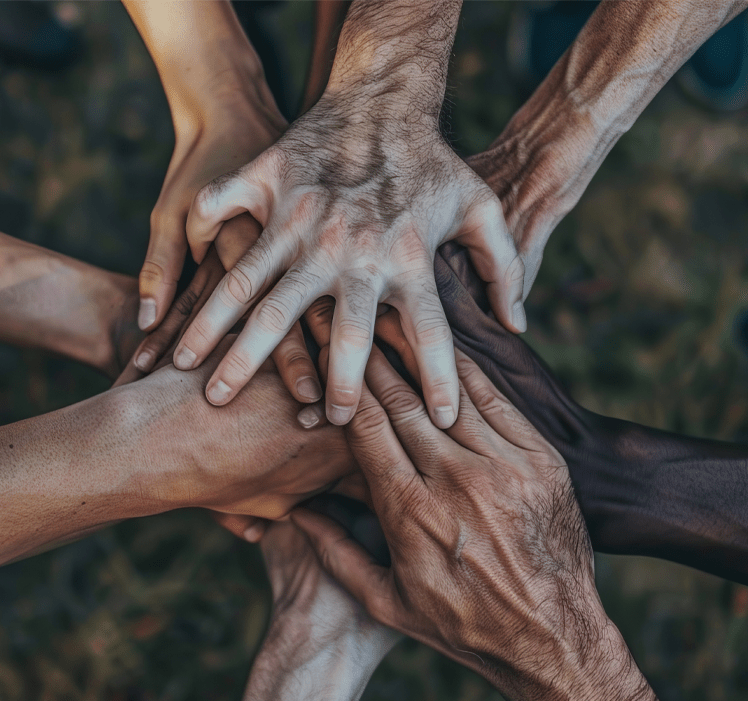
[354,200]
[491,561]
[546,156]
[133,451]
[59,304]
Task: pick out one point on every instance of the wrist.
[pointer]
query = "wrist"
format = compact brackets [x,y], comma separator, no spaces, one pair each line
[334,664]
[392,58]
[582,656]
[541,164]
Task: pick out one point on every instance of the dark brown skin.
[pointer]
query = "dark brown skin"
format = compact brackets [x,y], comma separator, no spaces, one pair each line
[491,561]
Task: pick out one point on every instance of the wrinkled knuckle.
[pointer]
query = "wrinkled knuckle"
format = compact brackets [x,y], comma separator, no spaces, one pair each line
[186,302]
[356,334]
[400,400]
[274,316]
[369,419]
[199,331]
[151,272]
[236,287]
[432,332]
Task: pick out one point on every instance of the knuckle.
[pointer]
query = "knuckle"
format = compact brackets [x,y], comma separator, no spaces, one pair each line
[400,401]
[355,333]
[274,316]
[236,287]
[235,365]
[369,420]
[200,332]
[432,331]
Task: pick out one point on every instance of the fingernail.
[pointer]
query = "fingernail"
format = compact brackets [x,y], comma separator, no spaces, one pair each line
[144,361]
[184,359]
[254,533]
[309,388]
[219,393]
[339,415]
[147,313]
[309,416]
[444,416]
[518,317]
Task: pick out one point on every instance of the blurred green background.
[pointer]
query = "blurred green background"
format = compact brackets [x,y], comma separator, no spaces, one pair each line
[641,307]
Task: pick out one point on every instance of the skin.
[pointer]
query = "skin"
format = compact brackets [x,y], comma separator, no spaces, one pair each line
[53,302]
[546,156]
[223,114]
[133,451]
[503,584]
[354,200]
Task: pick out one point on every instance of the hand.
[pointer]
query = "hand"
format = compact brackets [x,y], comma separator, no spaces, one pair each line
[249,458]
[290,357]
[329,645]
[231,135]
[491,561]
[223,113]
[354,200]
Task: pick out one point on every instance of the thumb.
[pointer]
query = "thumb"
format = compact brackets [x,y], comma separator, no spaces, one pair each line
[345,560]
[497,262]
[159,276]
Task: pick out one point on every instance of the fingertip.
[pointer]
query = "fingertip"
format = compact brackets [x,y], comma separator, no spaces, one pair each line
[312,416]
[218,393]
[308,389]
[443,417]
[184,358]
[340,415]
[254,533]
[519,319]
[147,313]
[145,360]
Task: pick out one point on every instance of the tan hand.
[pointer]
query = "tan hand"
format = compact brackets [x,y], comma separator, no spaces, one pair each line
[491,562]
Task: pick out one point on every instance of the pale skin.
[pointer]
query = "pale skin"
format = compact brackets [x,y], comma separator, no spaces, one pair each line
[354,200]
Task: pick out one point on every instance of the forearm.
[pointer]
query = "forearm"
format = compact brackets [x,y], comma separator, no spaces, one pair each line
[66,474]
[393,57]
[53,302]
[544,159]
[333,664]
[202,56]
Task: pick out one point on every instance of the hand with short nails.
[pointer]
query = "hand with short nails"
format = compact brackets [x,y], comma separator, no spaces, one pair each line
[491,561]
[354,200]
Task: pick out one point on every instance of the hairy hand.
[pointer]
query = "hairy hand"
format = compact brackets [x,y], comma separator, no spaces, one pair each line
[491,561]
[353,205]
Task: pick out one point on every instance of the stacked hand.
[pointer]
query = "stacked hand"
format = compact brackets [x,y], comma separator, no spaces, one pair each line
[491,561]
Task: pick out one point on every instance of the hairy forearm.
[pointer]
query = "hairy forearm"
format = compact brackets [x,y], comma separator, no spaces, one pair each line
[202,56]
[53,302]
[393,55]
[66,474]
[544,159]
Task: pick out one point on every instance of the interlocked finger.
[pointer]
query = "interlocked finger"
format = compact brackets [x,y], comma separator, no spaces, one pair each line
[269,323]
